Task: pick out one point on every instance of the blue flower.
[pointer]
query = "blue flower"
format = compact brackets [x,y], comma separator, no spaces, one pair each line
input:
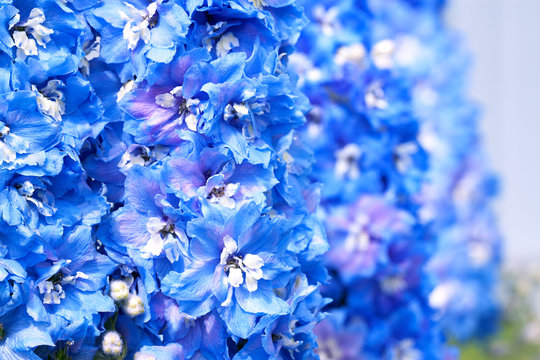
[236,265]
[139,29]
[26,132]
[21,334]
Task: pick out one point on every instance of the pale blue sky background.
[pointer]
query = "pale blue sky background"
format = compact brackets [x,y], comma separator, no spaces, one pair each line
[504,37]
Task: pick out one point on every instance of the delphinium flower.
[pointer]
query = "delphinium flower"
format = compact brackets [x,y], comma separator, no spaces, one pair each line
[365,76]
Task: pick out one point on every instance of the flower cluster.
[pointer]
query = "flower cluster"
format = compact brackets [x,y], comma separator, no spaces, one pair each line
[154,194]
[385,80]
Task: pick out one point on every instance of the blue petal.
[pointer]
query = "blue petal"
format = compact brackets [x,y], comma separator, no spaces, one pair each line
[194,284]
[261,301]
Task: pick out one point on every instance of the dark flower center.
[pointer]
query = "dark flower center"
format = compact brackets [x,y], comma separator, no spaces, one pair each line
[217,191]
[56,278]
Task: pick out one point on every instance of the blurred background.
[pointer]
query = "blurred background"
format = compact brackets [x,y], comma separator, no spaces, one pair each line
[502,36]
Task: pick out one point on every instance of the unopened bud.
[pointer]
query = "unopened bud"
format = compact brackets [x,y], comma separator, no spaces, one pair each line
[119,290]
[112,343]
[133,305]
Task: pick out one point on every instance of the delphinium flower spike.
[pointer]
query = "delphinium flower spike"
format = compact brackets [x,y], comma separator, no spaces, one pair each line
[367,77]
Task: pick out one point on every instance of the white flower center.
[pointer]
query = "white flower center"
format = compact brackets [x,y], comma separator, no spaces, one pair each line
[347,162]
[32,26]
[236,111]
[112,343]
[236,267]
[242,114]
[50,100]
[190,110]
[223,195]
[52,293]
[4,130]
[138,24]
[135,155]
[163,237]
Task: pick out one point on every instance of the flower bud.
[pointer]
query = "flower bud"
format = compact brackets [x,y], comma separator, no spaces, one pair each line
[112,343]
[119,290]
[133,305]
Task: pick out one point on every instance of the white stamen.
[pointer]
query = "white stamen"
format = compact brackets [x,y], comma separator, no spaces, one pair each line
[235,277]
[92,51]
[26,189]
[259,4]
[27,47]
[194,112]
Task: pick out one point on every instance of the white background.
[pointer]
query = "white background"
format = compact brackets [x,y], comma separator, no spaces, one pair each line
[504,38]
